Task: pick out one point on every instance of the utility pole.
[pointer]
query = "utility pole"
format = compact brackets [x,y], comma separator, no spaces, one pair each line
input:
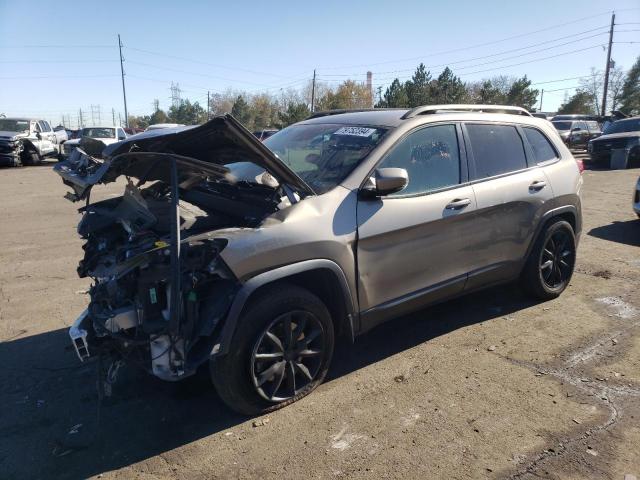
[80,120]
[313,91]
[606,70]
[113,115]
[541,97]
[208,106]
[124,92]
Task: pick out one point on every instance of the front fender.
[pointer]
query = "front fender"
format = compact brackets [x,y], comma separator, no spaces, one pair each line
[250,286]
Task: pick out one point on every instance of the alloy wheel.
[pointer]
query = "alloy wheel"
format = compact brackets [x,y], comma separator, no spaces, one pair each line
[287,356]
[557,259]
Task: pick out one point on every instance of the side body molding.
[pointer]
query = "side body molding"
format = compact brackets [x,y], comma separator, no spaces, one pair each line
[251,285]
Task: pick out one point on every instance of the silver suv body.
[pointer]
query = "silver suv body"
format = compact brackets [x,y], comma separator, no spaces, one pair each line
[255,258]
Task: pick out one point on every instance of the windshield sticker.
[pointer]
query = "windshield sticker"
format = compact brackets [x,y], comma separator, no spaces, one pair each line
[355,131]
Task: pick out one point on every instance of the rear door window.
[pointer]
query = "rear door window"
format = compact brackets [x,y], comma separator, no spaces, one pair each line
[540,145]
[497,149]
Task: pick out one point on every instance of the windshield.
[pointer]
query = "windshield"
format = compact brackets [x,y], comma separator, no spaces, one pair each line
[324,154]
[622,126]
[99,132]
[562,125]
[11,125]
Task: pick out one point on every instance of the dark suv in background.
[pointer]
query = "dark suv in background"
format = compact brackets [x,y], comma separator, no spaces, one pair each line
[620,135]
[577,133]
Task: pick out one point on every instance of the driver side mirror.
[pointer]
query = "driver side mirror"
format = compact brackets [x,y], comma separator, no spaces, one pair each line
[386,181]
[38,136]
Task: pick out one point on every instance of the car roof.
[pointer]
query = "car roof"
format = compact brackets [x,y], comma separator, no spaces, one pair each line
[394,117]
[21,119]
[101,126]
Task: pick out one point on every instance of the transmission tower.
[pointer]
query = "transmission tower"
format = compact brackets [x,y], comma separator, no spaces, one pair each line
[95,114]
[175,94]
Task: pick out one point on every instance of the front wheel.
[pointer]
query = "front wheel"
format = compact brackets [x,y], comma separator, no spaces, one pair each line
[280,352]
[550,264]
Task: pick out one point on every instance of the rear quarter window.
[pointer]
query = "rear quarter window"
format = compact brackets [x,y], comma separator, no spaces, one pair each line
[497,149]
[540,144]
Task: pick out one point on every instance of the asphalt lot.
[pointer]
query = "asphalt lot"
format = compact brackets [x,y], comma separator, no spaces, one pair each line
[488,386]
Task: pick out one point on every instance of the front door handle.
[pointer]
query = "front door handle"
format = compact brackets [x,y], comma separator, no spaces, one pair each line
[537,185]
[458,203]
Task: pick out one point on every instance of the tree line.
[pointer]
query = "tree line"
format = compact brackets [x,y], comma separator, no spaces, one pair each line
[623,93]
[266,110]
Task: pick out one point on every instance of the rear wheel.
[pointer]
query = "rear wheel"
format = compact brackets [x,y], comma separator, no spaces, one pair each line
[280,352]
[550,264]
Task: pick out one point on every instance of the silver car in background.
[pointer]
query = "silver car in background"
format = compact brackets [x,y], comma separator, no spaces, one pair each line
[253,257]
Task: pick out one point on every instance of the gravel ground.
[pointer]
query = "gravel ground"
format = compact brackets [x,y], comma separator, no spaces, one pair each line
[488,386]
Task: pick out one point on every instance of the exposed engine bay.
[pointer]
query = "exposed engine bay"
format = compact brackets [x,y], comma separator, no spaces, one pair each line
[160,291]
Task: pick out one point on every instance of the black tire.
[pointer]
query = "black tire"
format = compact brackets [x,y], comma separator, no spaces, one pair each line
[237,374]
[551,262]
[31,158]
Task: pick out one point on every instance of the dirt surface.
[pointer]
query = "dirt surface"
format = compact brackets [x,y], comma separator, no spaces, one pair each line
[488,386]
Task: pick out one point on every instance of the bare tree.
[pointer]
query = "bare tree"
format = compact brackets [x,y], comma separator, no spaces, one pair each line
[593,86]
[616,82]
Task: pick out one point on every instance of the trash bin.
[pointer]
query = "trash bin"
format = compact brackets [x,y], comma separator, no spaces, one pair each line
[619,158]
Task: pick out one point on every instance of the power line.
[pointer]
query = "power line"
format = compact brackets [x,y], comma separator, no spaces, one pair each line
[493,42]
[526,62]
[149,52]
[503,52]
[56,76]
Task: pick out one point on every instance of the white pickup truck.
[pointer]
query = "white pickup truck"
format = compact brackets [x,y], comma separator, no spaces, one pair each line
[26,141]
[106,135]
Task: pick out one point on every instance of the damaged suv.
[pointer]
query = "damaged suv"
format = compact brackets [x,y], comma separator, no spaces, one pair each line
[253,257]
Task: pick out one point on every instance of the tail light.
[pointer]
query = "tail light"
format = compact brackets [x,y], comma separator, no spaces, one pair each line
[580,164]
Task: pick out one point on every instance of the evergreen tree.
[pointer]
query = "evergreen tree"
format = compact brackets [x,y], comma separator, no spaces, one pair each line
[295,112]
[579,102]
[418,88]
[630,95]
[395,96]
[521,94]
[241,111]
[448,88]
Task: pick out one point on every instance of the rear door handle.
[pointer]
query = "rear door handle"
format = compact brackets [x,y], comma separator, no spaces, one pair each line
[537,185]
[458,203]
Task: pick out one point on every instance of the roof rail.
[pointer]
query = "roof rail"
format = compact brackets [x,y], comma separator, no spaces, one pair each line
[327,113]
[430,109]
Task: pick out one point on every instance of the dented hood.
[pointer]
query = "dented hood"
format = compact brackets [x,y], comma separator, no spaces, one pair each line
[220,141]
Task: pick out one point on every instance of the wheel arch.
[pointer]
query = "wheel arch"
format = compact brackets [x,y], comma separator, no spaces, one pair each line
[569,213]
[321,277]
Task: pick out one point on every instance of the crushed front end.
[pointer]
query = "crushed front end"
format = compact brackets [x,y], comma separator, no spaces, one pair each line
[160,290]
[11,151]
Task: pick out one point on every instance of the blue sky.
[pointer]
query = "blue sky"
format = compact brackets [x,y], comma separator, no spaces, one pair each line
[57,57]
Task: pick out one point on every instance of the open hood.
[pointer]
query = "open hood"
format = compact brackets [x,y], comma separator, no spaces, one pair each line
[220,141]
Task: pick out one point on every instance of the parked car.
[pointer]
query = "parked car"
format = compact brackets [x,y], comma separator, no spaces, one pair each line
[106,135]
[636,198]
[61,135]
[26,141]
[622,134]
[158,126]
[577,133]
[254,256]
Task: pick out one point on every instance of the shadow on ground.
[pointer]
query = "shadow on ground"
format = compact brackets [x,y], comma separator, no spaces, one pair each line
[47,395]
[627,232]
